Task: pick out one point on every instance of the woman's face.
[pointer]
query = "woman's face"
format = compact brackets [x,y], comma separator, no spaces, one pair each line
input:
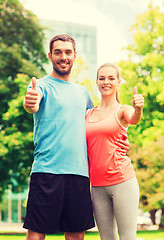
[107,80]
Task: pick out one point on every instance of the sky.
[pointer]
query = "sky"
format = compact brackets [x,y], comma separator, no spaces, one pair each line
[112,18]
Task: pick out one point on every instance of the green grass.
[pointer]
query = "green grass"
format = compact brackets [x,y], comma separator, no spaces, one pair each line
[150,235]
[141,235]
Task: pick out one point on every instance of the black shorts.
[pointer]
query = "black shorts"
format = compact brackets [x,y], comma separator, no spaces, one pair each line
[59,203]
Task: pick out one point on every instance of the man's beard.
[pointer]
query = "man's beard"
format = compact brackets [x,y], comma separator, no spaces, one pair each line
[60,72]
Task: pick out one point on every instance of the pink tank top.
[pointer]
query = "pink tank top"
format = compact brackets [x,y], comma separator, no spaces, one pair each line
[107,165]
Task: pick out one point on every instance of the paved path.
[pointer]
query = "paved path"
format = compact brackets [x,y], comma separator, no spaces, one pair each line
[12,228]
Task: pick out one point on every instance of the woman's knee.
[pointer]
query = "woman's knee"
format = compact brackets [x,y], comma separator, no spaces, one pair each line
[127,236]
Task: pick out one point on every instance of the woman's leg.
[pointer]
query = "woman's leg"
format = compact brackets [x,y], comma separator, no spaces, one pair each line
[125,200]
[104,214]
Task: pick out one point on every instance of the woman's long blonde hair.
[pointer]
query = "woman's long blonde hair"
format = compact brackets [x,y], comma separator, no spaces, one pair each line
[118,74]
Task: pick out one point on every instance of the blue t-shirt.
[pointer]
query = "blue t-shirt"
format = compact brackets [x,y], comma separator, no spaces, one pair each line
[59,128]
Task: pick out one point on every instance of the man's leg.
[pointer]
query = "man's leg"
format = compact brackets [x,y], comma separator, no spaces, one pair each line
[45,205]
[77,212]
[31,235]
[74,236]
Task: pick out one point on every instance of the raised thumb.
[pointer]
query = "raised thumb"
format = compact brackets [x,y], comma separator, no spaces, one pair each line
[33,83]
[135,90]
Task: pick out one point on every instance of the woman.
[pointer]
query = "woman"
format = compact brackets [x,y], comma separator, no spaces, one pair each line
[115,191]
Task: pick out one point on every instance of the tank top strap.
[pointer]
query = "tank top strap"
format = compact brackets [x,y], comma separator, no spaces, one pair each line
[117,109]
[89,112]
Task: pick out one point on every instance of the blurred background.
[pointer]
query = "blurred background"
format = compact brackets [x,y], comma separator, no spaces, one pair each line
[127,33]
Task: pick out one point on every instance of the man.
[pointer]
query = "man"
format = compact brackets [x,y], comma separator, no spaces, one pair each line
[59,197]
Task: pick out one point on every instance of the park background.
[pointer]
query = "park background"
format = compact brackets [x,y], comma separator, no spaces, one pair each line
[122,33]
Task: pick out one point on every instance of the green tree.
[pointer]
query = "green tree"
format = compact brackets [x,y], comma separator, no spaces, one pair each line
[145,69]
[21,48]
[22,56]
[79,73]
[16,154]
[21,41]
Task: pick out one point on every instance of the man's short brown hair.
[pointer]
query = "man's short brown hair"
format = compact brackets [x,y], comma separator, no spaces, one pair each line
[64,38]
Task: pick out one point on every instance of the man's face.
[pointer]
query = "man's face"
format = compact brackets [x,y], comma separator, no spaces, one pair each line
[62,57]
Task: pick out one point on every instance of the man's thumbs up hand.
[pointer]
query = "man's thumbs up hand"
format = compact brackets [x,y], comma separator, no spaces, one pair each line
[32,98]
[33,83]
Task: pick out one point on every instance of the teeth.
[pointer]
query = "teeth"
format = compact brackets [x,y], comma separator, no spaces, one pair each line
[106,87]
[63,65]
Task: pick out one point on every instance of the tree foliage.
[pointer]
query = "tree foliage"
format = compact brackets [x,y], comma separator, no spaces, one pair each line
[79,73]
[16,141]
[22,56]
[21,48]
[21,41]
[145,69]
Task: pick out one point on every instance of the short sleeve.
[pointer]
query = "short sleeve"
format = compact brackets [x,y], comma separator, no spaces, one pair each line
[89,101]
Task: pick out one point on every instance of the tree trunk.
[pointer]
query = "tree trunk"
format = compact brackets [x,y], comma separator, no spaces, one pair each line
[152,216]
[161,225]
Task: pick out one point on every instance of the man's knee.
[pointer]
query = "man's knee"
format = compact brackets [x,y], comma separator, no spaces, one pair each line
[31,235]
[74,236]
